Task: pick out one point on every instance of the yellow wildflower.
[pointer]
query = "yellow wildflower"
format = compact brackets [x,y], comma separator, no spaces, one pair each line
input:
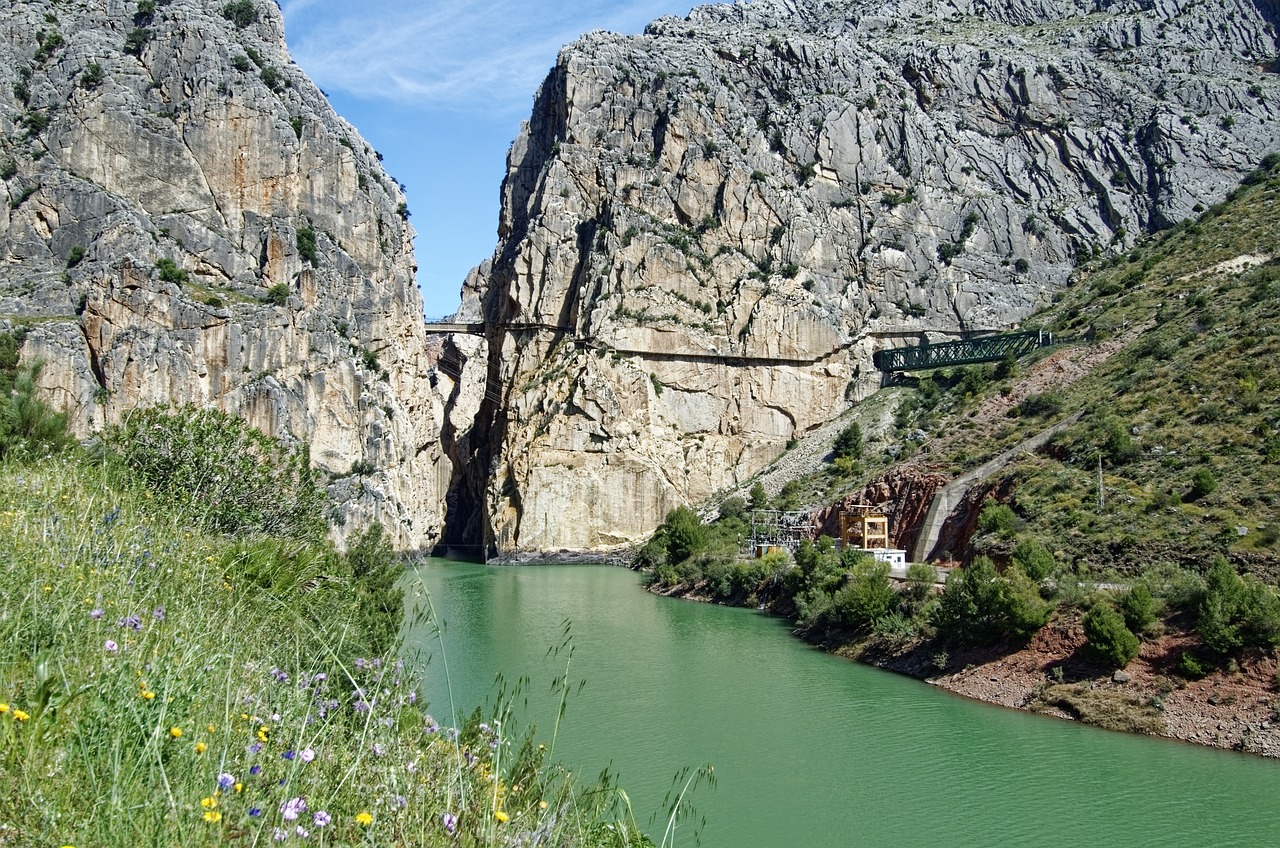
[239,786]
[20,715]
[148,694]
[175,732]
[542,805]
[212,727]
[262,734]
[213,816]
[200,747]
[4,708]
[364,818]
[209,802]
[501,816]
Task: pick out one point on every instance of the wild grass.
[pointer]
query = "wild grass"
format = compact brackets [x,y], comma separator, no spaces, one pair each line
[165,685]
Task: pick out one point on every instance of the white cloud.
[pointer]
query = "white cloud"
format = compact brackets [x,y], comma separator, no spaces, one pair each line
[449,53]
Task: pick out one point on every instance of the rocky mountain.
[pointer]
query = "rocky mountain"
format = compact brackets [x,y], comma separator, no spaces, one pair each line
[186,220]
[707,229]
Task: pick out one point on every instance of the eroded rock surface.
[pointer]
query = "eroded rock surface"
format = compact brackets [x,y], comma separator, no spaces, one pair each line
[707,229]
[137,134]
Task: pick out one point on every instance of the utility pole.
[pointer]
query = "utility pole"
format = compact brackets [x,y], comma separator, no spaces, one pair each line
[1101,496]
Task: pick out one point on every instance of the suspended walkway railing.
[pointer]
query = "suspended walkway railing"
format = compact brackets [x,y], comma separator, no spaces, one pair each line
[963,352]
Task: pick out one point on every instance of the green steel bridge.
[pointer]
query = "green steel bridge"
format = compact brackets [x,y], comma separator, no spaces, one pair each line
[962,352]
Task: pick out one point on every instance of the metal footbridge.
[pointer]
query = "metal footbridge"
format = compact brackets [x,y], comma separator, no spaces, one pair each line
[962,352]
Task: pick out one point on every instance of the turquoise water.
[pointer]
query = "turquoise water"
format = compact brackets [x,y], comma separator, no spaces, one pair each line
[809,749]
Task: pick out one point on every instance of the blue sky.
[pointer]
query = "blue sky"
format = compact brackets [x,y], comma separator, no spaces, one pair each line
[439,87]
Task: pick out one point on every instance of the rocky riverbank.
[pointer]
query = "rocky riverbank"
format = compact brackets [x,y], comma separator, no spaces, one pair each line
[1235,709]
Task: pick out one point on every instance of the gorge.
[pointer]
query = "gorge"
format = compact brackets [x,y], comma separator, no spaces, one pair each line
[706,231]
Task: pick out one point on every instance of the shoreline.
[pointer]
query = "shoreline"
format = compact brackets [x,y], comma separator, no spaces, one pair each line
[1236,710]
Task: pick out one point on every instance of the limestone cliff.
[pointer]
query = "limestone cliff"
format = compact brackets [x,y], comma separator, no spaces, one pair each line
[707,229]
[185,219]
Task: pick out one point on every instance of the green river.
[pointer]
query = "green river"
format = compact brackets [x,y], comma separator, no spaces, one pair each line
[809,749]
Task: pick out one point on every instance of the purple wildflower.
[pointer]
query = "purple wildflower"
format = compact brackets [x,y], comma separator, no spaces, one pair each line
[226,781]
[307,755]
[255,747]
[321,818]
[133,621]
[97,613]
[378,750]
[255,811]
[290,809]
[450,822]
[361,662]
[279,675]
[255,770]
[110,647]
[279,835]
[288,755]
[413,697]
[301,831]
[158,613]
[360,707]
[399,801]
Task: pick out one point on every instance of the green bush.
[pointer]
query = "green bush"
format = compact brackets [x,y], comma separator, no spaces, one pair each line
[229,476]
[999,519]
[29,428]
[277,295]
[376,570]
[848,444]
[684,534]
[1109,640]
[136,41]
[759,499]
[92,76]
[306,240]
[1203,483]
[866,597]
[170,272]
[242,13]
[1138,608]
[1237,613]
[1034,559]
[981,607]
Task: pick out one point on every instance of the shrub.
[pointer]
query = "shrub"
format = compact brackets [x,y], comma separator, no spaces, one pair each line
[136,41]
[170,272]
[92,76]
[1109,640]
[1034,559]
[684,534]
[29,428]
[306,240]
[980,607]
[867,597]
[277,295]
[375,570]
[242,13]
[733,508]
[75,256]
[848,444]
[998,518]
[271,78]
[1237,612]
[1203,483]
[1138,608]
[1045,403]
[229,476]
[759,499]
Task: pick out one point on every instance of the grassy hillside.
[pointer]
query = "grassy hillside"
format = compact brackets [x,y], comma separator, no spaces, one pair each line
[178,667]
[1184,417]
